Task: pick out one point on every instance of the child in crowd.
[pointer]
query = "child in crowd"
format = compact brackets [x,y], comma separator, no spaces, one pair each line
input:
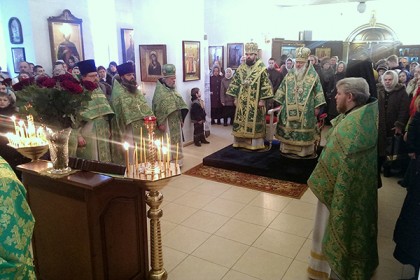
[407,249]
[198,117]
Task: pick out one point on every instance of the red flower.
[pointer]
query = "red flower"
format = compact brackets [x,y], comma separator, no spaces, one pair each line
[72,86]
[64,77]
[23,83]
[90,86]
[17,87]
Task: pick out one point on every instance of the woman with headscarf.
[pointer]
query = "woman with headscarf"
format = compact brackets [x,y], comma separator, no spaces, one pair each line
[227,100]
[340,73]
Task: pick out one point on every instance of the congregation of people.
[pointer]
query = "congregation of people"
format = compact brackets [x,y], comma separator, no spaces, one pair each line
[370,108]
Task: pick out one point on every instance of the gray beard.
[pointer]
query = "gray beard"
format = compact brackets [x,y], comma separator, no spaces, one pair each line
[300,73]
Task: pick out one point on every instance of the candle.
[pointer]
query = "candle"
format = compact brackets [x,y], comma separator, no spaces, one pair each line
[14,123]
[31,126]
[21,130]
[127,159]
[144,149]
[157,143]
[164,152]
[176,155]
[168,143]
[136,160]
[141,142]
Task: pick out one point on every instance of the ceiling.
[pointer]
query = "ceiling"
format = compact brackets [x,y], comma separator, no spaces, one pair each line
[294,3]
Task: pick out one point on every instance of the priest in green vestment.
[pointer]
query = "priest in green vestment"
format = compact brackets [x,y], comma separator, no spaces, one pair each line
[170,110]
[94,133]
[16,227]
[250,87]
[345,182]
[130,107]
[300,96]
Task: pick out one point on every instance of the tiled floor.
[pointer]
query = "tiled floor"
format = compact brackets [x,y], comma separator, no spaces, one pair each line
[214,231]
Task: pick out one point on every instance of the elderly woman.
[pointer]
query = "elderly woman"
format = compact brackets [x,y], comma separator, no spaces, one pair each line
[227,100]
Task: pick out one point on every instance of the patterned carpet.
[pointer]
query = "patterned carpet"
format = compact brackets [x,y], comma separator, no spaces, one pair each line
[260,183]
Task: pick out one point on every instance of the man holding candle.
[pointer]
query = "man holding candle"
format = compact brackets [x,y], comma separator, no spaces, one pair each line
[169,108]
[94,131]
[130,107]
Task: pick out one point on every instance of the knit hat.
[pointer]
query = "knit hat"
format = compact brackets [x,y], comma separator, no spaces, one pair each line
[125,68]
[86,66]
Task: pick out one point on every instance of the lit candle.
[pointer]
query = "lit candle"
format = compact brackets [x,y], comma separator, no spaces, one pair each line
[14,123]
[157,143]
[31,126]
[164,152]
[127,159]
[169,147]
[21,130]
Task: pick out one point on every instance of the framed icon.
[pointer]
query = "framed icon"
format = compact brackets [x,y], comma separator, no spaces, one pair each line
[191,60]
[66,38]
[15,31]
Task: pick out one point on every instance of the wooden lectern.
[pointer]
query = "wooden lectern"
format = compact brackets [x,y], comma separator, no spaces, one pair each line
[87,225]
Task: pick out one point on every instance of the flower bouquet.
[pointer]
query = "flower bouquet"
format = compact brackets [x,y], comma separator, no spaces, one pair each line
[54,103]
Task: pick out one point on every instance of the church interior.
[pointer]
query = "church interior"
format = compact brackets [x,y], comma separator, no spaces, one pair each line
[211,230]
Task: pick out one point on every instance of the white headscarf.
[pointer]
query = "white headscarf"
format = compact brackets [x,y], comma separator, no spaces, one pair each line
[229,73]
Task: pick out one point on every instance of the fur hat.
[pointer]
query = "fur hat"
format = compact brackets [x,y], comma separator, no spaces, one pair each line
[125,68]
[86,66]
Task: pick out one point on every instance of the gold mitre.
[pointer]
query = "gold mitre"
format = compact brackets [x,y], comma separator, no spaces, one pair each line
[302,54]
[251,48]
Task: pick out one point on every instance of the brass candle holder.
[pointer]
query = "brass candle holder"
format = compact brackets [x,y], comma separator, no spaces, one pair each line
[153,170]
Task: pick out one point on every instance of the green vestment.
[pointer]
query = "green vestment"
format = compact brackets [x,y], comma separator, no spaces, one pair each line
[96,130]
[16,227]
[299,98]
[170,110]
[130,110]
[249,85]
[345,181]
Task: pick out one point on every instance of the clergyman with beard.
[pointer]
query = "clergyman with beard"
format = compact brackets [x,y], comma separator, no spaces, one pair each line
[130,107]
[94,132]
[250,87]
[170,110]
[300,94]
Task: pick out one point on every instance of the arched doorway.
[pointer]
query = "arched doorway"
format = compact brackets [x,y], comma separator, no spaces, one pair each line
[372,40]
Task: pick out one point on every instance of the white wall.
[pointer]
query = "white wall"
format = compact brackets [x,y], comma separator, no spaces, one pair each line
[229,21]
[169,23]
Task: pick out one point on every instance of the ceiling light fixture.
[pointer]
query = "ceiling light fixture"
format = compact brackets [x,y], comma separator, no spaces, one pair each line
[361,8]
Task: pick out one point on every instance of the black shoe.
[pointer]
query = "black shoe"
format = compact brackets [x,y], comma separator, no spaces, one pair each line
[402,183]
[387,171]
[197,144]
[204,141]
[212,121]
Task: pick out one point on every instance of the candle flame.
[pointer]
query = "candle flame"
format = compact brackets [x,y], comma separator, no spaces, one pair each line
[126,146]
